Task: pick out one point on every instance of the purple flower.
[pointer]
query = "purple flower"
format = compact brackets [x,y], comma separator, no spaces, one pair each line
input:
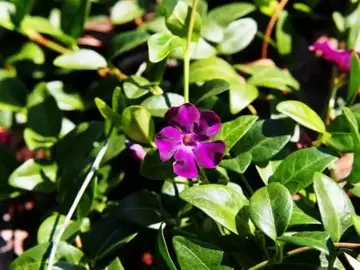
[188,140]
[136,150]
[326,49]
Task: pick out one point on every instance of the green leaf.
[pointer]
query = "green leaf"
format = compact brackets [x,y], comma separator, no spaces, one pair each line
[232,131]
[238,164]
[179,20]
[66,100]
[13,93]
[125,11]
[153,168]
[127,41]
[315,240]
[118,101]
[136,87]
[299,217]
[221,203]
[143,208]
[83,59]
[163,249]
[36,141]
[353,41]
[264,139]
[115,265]
[284,33]
[354,127]
[271,208]
[212,31]
[34,258]
[50,227]
[241,94]
[209,89]
[334,205]
[44,115]
[198,50]
[22,8]
[195,254]
[158,105]
[106,237]
[302,114]
[138,124]
[74,13]
[296,170]
[35,176]
[356,221]
[161,44]
[237,36]
[107,112]
[341,141]
[6,119]
[29,51]
[225,14]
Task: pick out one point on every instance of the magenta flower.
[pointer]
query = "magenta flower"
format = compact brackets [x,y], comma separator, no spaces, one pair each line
[136,150]
[188,140]
[325,48]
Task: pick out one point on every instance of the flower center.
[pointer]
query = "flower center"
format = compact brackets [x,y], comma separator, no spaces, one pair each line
[189,139]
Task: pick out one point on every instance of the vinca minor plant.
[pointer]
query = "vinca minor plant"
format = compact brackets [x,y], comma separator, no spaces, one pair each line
[180,134]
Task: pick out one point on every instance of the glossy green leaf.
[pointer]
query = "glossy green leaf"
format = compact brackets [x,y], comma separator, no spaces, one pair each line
[136,87]
[50,227]
[238,164]
[225,14]
[284,33]
[13,92]
[300,217]
[161,44]
[66,100]
[315,240]
[296,170]
[271,208]
[354,127]
[195,254]
[179,20]
[107,112]
[138,124]
[354,80]
[153,168]
[158,105]
[334,205]
[221,203]
[237,36]
[107,236]
[125,11]
[118,101]
[356,221]
[74,14]
[143,208]
[302,114]
[83,59]
[353,38]
[35,140]
[209,89]
[265,139]
[34,258]
[232,131]
[34,175]
[198,50]
[29,51]
[241,93]
[127,41]
[341,141]
[163,249]
[115,265]
[267,170]
[212,31]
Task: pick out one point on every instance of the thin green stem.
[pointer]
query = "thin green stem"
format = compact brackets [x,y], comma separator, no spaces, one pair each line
[246,183]
[187,51]
[89,176]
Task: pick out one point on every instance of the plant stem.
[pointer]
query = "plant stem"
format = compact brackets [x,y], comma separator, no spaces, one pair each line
[301,250]
[246,183]
[40,39]
[89,176]
[187,51]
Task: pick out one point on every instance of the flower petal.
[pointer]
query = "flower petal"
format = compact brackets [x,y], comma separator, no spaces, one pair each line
[184,117]
[168,141]
[209,125]
[209,154]
[185,164]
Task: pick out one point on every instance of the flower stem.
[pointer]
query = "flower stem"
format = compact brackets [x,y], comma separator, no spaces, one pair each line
[89,176]
[246,183]
[187,51]
[301,250]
